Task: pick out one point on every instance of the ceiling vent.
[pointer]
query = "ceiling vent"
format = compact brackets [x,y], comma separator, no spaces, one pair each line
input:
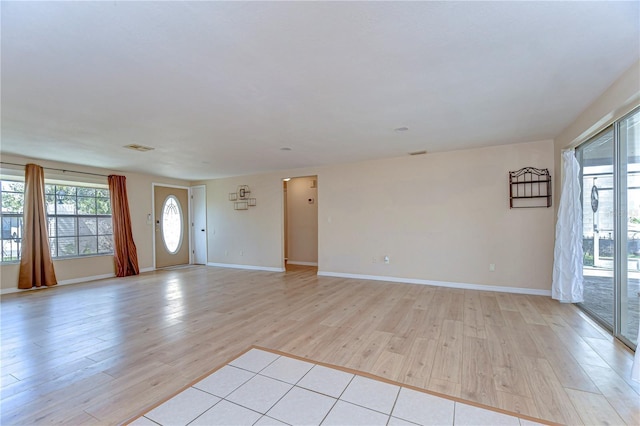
[418,152]
[140,148]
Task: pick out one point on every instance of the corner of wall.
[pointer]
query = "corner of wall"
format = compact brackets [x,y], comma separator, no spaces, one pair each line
[620,98]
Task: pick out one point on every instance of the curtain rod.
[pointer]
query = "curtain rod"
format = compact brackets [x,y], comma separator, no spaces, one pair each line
[59,170]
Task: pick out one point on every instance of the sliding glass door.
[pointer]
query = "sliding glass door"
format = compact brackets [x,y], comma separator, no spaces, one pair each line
[610,168]
[596,160]
[629,182]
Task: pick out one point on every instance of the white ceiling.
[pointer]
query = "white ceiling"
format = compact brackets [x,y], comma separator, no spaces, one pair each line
[218,88]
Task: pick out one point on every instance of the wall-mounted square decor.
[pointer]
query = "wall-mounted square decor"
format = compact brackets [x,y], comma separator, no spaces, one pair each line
[241,205]
[241,198]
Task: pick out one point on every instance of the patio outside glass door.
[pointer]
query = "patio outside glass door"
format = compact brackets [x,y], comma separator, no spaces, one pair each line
[610,166]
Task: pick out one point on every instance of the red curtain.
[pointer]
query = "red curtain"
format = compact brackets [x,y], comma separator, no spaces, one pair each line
[36,266]
[125,255]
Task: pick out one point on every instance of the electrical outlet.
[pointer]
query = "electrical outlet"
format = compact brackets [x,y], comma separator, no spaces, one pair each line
[241,253]
[492,267]
[374,260]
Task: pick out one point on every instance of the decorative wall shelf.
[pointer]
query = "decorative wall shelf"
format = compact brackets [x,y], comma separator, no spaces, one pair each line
[241,198]
[529,187]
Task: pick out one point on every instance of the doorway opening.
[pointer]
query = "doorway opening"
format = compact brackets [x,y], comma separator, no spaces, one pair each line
[300,222]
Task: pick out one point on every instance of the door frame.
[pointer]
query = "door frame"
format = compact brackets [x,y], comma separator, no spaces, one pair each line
[192,228]
[153,218]
[283,224]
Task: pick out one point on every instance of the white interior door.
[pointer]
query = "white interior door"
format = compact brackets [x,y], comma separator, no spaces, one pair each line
[199,224]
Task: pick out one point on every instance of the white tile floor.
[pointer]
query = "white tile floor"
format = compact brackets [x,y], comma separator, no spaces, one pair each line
[262,388]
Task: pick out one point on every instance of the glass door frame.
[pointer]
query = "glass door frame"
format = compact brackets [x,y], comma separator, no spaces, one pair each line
[621,224]
[579,152]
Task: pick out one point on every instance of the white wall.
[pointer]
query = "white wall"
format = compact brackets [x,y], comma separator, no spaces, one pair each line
[621,97]
[252,237]
[440,217]
[302,220]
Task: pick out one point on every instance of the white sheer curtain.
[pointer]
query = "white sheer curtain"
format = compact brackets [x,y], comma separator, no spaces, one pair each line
[567,256]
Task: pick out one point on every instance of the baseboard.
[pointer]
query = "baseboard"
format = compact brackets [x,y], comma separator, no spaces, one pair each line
[295,262]
[71,281]
[465,286]
[250,267]
[85,279]
[62,282]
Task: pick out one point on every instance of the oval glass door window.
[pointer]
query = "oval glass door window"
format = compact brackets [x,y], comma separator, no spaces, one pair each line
[172,224]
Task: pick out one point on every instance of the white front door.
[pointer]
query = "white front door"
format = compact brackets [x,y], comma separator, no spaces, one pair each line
[199,224]
[171,227]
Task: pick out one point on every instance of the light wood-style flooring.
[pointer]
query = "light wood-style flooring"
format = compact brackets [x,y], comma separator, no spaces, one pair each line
[104,351]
